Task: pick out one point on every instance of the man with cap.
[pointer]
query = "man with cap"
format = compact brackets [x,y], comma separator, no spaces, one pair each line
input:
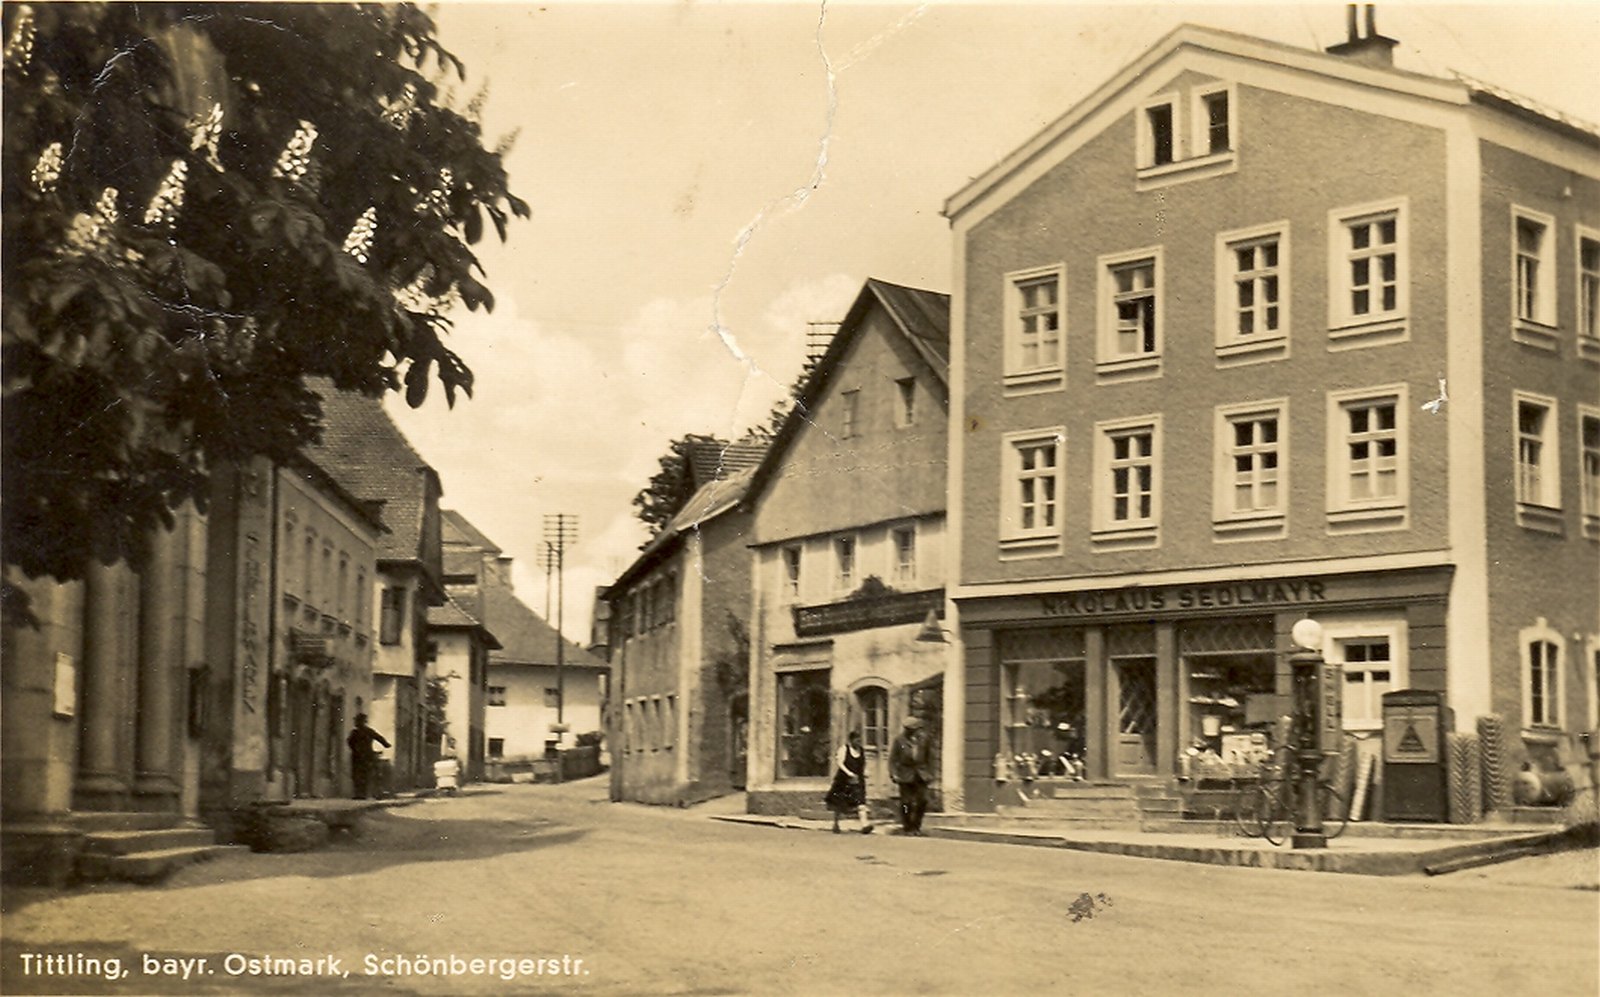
[910,769]
[364,758]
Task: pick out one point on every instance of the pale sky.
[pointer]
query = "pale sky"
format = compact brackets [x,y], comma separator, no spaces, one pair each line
[706,178]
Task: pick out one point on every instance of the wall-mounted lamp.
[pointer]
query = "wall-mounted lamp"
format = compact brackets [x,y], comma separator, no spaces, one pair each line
[932,632]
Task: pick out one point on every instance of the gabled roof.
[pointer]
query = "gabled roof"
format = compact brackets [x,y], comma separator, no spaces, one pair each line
[922,318]
[457,529]
[715,460]
[712,499]
[525,638]
[365,452]
[454,616]
[1457,92]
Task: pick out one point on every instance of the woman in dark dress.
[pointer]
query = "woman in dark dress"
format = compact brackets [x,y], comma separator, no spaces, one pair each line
[848,794]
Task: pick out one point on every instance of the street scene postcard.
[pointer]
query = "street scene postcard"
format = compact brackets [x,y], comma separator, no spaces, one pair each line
[830,497]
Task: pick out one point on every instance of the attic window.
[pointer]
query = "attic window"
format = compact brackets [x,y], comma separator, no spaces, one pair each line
[1187,137]
[1160,125]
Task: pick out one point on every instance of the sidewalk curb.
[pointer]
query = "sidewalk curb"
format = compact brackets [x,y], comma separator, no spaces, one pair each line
[1441,858]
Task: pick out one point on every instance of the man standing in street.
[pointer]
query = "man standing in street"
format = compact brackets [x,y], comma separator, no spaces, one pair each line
[909,767]
[363,756]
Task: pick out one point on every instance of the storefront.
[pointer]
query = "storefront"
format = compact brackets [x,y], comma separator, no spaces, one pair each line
[1143,682]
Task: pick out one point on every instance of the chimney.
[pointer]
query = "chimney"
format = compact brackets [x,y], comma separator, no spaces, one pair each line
[1371,49]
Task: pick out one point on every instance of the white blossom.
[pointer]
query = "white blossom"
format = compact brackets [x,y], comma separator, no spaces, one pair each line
[47,171]
[89,233]
[168,199]
[19,47]
[437,201]
[206,131]
[397,113]
[296,156]
[359,242]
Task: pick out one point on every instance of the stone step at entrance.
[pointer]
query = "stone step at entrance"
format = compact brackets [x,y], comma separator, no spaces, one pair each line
[141,847]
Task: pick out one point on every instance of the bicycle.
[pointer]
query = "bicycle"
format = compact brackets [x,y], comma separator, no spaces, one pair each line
[1269,807]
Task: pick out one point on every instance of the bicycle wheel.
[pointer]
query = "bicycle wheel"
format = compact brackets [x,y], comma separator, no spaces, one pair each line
[1277,810]
[1336,811]
[1247,811]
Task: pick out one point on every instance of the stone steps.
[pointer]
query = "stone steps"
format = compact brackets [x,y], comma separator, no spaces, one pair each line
[118,820]
[147,866]
[158,839]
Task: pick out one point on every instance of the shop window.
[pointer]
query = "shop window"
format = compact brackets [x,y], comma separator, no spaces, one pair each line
[1044,716]
[803,724]
[1231,694]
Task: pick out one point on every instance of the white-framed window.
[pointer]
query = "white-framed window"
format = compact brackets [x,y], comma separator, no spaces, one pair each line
[790,557]
[1589,468]
[1588,258]
[1541,649]
[1252,293]
[1178,139]
[905,393]
[1368,275]
[1031,489]
[1158,131]
[1035,327]
[1130,313]
[904,541]
[1373,656]
[1368,457]
[849,413]
[1252,468]
[844,563]
[495,695]
[1126,508]
[1533,247]
[1538,461]
[1213,118]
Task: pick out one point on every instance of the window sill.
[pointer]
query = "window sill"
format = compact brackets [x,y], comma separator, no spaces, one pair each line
[1137,368]
[1375,519]
[1591,526]
[1184,170]
[1028,382]
[1270,526]
[1018,548]
[1542,734]
[1384,331]
[1141,537]
[1238,353]
[1541,518]
[1589,348]
[1536,334]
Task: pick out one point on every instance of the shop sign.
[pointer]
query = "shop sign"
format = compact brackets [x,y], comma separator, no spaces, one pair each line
[865,613]
[1184,598]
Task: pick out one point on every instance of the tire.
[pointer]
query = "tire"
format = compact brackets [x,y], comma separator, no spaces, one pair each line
[1248,808]
[1277,819]
[1337,811]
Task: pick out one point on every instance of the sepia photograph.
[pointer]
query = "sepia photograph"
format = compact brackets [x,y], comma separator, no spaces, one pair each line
[774,497]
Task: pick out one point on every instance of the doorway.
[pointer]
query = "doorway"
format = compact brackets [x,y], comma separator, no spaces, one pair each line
[739,737]
[1136,715]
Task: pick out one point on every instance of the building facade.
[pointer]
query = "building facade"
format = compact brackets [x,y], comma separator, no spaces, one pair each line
[847,538]
[1252,334]
[677,641]
[367,454]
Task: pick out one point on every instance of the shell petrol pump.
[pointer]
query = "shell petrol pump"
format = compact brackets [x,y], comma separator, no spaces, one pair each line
[1317,730]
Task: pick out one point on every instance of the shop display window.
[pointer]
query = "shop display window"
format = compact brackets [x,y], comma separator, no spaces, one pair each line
[1044,711]
[803,711]
[1233,704]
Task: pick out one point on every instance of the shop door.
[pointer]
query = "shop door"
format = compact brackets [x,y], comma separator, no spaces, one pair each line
[872,708]
[739,734]
[1136,716]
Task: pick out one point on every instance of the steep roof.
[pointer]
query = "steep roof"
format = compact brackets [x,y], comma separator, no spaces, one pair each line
[715,460]
[457,529]
[526,639]
[454,616]
[365,452]
[709,501]
[922,318]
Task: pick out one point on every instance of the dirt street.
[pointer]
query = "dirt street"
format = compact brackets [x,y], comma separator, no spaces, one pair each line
[535,889]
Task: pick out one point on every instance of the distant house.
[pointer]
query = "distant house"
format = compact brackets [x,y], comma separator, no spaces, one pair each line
[459,645]
[847,531]
[677,642]
[526,691]
[365,451]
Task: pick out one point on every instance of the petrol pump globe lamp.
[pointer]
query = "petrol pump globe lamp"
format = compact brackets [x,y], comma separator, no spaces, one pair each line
[1305,667]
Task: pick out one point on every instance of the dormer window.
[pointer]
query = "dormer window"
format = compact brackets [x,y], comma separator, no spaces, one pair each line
[1187,136]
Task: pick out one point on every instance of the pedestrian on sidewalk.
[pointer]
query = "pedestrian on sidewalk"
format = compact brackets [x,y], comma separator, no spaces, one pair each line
[910,768]
[848,794]
[364,757]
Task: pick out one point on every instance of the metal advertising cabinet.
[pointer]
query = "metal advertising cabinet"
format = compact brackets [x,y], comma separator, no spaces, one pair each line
[1415,783]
